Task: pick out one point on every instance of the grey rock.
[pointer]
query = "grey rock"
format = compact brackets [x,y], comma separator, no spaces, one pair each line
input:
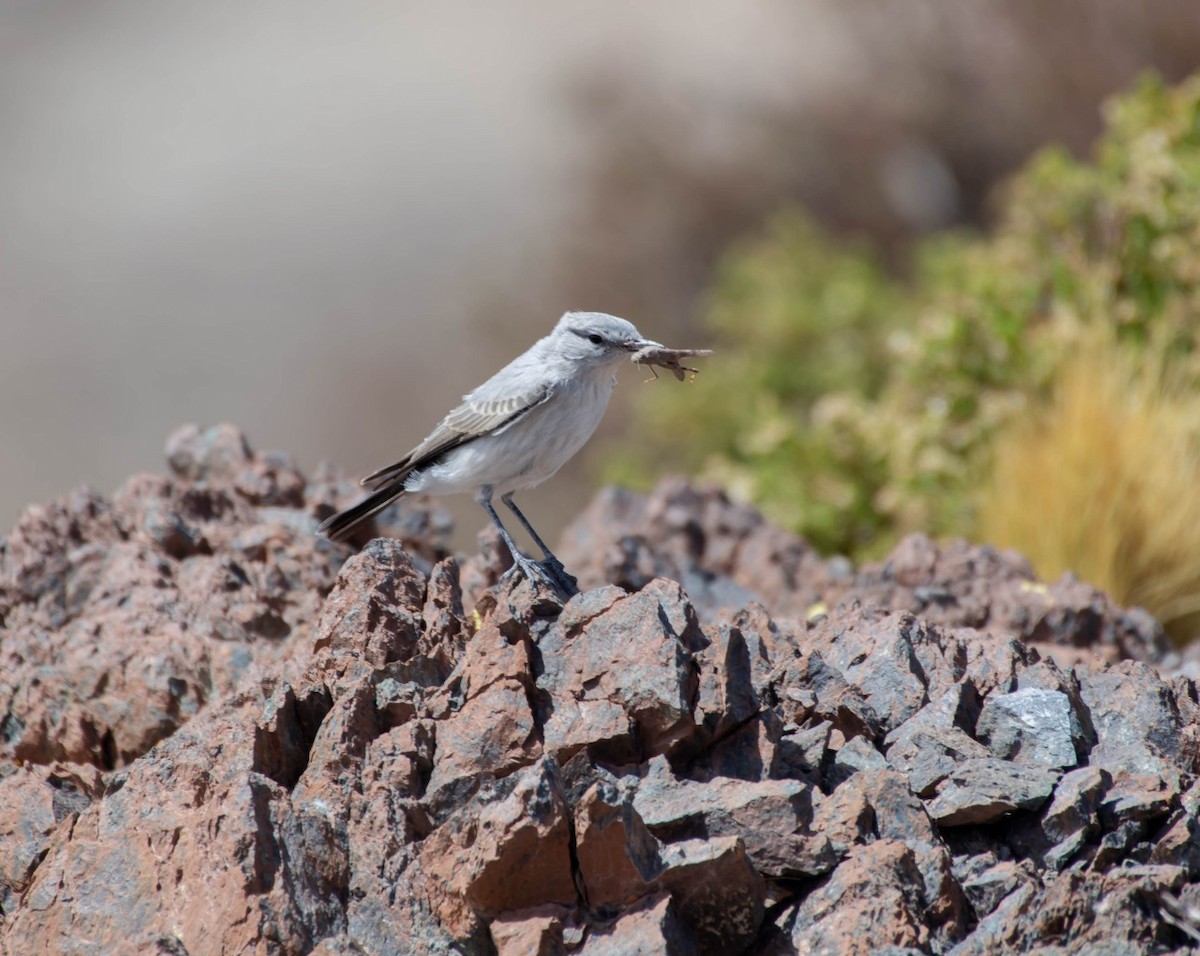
[929,757]
[772,817]
[1031,726]
[994,932]
[1070,819]
[718,894]
[983,790]
[1136,716]
[988,889]
[857,754]
[800,754]
[936,739]
[878,658]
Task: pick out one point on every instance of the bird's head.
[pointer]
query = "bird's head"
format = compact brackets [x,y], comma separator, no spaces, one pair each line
[596,339]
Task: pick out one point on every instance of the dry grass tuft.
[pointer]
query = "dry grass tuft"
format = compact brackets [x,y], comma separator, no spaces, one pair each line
[1104,481]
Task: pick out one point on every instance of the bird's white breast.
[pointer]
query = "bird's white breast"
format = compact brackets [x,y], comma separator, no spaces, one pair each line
[530,450]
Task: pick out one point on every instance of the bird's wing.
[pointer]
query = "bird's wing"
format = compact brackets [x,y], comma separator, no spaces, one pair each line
[474,418]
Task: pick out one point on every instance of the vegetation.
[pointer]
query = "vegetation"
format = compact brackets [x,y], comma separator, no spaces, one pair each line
[1101,481]
[854,407]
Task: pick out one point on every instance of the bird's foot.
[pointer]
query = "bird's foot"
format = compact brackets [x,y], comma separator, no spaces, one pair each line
[561,583]
[569,583]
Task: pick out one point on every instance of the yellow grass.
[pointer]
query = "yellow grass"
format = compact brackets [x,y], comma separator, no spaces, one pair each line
[1105,482]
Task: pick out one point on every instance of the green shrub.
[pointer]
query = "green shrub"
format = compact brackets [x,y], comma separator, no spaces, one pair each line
[855,408]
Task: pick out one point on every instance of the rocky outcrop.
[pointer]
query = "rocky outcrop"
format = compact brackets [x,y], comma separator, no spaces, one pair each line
[221,734]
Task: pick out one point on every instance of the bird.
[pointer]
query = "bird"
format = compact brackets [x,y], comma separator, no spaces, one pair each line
[513,432]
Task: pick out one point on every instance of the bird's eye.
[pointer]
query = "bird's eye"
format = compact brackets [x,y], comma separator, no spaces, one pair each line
[596,339]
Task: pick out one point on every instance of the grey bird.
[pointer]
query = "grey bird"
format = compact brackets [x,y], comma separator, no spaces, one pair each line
[514,431]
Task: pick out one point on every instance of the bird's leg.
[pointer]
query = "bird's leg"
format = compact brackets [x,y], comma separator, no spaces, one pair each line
[551,561]
[535,572]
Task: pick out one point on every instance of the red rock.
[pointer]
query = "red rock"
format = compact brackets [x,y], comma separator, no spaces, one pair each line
[719,896]
[874,899]
[280,746]
[536,932]
[508,849]
[197,844]
[34,801]
[618,857]
[633,671]
[650,928]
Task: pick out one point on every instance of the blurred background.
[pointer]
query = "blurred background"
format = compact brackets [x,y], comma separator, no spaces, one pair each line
[325,222]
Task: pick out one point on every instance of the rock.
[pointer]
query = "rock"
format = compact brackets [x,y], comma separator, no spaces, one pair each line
[486,723]
[617,856]
[1136,717]
[856,756]
[627,689]
[801,753]
[929,745]
[220,733]
[1082,912]
[988,889]
[265,868]
[1031,726]
[872,900]
[891,660]
[880,806]
[748,752]
[959,585]
[1069,820]
[507,849]
[928,757]
[1180,839]
[981,790]
[34,801]
[718,894]
[652,927]
[535,932]
[1138,796]
[692,535]
[731,669]
[772,817]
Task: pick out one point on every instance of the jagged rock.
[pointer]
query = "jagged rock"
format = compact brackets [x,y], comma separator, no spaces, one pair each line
[1082,912]
[535,932]
[1136,716]
[1031,726]
[934,741]
[880,806]
[981,790]
[34,801]
[855,756]
[618,857]
[485,718]
[773,817]
[801,753]
[652,927]
[278,744]
[627,689]
[988,889]
[695,537]
[1180,839]
[874,899]
[507,849]
[1070,819]
[267,867]
[719,895]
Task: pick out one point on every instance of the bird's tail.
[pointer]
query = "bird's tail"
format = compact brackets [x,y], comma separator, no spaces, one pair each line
[340,525]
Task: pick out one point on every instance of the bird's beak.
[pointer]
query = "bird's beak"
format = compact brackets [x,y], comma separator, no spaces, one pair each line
[636,345]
